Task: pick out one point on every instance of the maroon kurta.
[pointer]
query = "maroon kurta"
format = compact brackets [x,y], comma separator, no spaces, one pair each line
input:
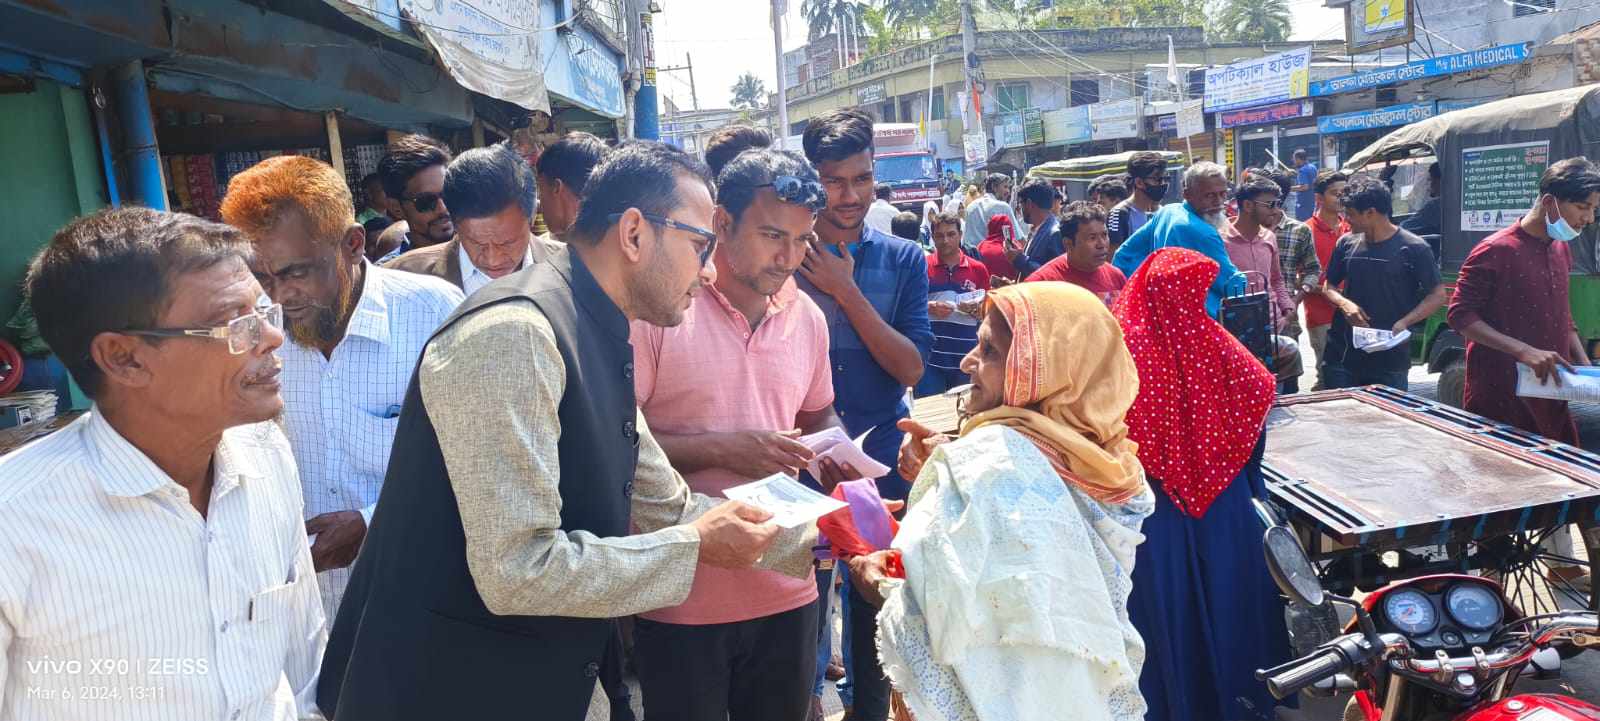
[1518,285]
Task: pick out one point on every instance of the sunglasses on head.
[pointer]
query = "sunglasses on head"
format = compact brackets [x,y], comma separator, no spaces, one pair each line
[424,202]
[792,190]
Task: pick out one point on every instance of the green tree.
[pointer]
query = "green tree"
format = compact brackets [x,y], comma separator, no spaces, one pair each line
[840,17]
[1126,13]
[749,92]
[1252,21]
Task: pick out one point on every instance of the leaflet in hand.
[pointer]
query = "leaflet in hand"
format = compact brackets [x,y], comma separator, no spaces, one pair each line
[1376,340]
[790,503]
[957,299]
[836,445]
[1579,384]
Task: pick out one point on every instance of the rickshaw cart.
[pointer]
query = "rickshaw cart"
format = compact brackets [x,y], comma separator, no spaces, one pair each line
[1383,485]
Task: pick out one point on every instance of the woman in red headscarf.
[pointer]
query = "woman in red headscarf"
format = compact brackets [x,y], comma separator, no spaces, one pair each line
[998,248]
[1202,597]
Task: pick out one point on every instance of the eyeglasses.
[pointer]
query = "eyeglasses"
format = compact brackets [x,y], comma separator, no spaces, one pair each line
[243,333]
[795,191]
[1269,203]
[708,236]
[424,202]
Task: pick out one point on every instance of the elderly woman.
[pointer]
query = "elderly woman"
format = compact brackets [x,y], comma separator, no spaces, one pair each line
[1203,601]
[1018,544]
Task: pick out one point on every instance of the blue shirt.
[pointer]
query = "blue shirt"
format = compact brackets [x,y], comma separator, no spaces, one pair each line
[893,275]
[1305,201]
[1177,226]
[1042,248]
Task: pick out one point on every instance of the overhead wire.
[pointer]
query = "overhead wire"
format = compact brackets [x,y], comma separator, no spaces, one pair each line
[520,31]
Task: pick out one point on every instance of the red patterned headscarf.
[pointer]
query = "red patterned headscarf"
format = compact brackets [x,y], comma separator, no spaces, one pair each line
[1203,398]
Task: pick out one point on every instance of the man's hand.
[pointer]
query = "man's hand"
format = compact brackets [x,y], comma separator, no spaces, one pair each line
[831,274]
[758,454]
[1000,281]
[918,444]
[1544,363]
[973,308]
[339,535]
[939,309]
[834,474]
[866,571]
[734,535]
[1355,315]
[1400,325]
[1013,252]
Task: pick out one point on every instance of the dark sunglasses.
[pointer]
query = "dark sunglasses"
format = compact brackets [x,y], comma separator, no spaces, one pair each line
[794,191]
[708,236]
[1269,203]
[424,202]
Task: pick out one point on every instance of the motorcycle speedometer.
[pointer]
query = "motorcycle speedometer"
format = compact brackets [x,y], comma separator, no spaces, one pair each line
[1411,612]
[1474,606]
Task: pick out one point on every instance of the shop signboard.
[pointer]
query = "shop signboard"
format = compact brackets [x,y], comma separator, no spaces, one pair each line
[1374,119]
[1067,126]
[1260,81]
[1500,182]
[1374,24]
[1009,131]
[1167,124]
[1227,150]
[1265,115]
[1116,119]
[1450,106]
[872,93]
[1032,126]
[1431,67]
[587,72]
[1383,15]
[487,48]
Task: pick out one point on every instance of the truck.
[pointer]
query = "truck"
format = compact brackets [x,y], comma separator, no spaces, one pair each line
[1490,158]
[902,158]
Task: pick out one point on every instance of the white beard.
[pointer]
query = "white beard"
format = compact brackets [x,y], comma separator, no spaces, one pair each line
[1218,220]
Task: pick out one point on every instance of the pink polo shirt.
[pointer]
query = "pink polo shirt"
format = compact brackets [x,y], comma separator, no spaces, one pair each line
[711,374]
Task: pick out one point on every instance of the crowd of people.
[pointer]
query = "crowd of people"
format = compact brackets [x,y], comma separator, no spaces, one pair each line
[414,460]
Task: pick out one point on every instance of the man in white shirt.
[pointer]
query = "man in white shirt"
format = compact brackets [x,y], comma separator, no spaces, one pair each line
[356,331]
[153,563]
[997,187]
[880,215]
[490,193]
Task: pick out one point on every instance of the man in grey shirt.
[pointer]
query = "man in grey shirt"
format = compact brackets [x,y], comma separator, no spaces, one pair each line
[997,188]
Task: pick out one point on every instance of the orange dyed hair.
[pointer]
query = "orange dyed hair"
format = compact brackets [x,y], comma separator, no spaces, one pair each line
[258,197]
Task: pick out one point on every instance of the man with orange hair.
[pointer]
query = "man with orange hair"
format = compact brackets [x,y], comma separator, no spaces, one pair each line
[356,331]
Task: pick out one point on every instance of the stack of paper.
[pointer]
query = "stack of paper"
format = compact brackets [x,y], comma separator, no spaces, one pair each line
[1579,384]
[790,503]
[1374,340]
[958,299]
[836,445]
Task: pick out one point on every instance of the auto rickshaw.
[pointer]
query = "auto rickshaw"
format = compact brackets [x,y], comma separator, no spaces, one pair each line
[1490,159]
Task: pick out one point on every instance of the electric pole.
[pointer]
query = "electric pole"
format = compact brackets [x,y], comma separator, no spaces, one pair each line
[972,110]
[688,65]
[778,11]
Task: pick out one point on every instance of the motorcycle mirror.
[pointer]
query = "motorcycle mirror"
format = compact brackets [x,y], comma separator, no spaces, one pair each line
[1268,515]
[1290,567]
[1546,664]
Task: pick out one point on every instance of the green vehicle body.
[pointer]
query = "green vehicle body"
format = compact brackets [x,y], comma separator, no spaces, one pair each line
[1569,121]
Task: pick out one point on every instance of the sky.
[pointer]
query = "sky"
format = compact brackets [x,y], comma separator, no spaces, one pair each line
[724,39]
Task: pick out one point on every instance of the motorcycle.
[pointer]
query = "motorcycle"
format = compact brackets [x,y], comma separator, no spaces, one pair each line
[1434,648]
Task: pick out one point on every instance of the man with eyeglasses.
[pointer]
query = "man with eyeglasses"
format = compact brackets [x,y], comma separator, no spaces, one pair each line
[413,178]
[742,645]
[491,192]
[356,331]
[1148,173]
[1253,248]
[154,548]
[527,505]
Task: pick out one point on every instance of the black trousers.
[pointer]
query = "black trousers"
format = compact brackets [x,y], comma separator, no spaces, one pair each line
[869,686]
[757,670]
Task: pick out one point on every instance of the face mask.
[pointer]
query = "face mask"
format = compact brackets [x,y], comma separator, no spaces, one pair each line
[1560,230]
[1156,192]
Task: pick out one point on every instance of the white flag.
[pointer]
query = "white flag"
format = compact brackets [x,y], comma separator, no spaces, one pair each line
[1172,67]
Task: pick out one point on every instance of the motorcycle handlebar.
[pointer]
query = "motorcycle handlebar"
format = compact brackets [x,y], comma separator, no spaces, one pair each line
[1304,672]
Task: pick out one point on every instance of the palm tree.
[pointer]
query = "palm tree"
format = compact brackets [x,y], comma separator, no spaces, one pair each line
[749,92]
[909,13]
[841,17]
[1252,21]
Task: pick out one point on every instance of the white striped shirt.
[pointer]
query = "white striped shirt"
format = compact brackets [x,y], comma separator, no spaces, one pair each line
[119,601]
[341,412]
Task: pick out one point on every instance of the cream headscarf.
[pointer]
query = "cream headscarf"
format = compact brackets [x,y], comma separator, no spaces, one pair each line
[1069,383]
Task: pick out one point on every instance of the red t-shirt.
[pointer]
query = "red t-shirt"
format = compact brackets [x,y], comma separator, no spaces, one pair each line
[1319,311]
[1105,281]
[993,252]
[967,275]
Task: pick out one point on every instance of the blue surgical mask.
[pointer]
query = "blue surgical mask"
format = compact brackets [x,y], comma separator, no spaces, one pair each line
[1560,230]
